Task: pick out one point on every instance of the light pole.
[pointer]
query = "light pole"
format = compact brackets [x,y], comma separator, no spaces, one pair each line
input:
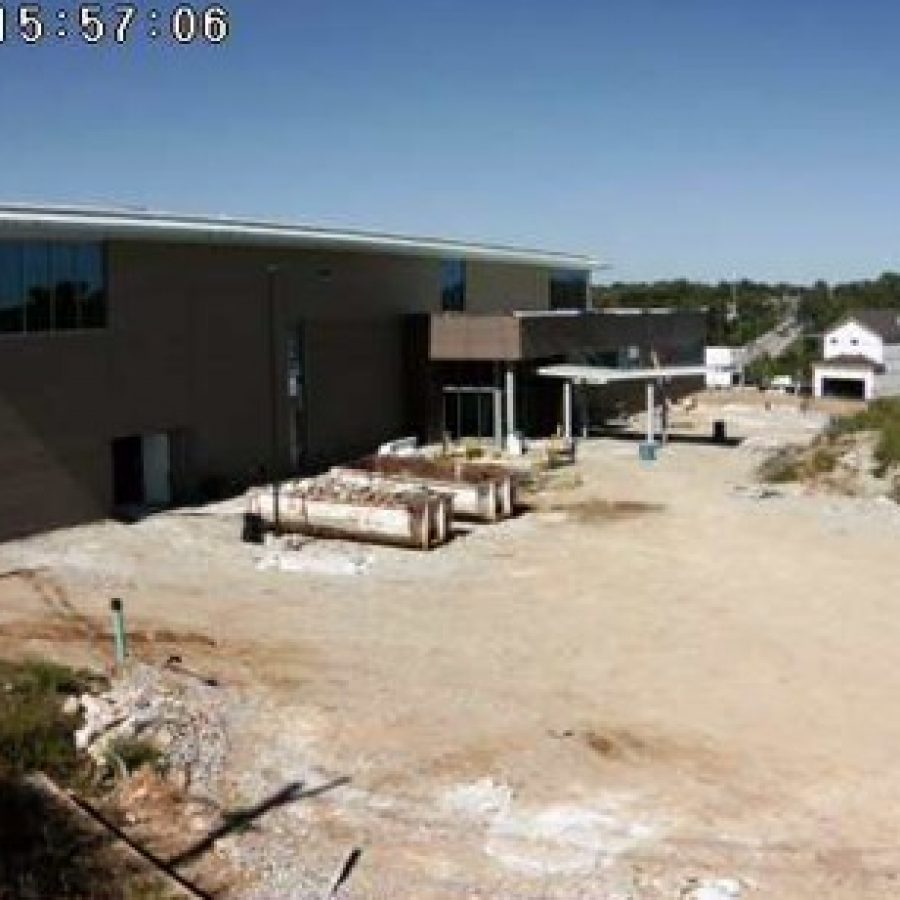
[271,273]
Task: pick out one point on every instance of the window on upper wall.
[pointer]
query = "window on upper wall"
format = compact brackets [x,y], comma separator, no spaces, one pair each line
[453,285]
[12,309]
[568,289]
[58,286]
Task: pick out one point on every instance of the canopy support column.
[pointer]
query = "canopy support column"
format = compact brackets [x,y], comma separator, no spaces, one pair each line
[510,401]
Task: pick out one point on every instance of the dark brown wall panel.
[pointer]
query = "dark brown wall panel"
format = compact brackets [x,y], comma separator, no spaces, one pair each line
[187,350]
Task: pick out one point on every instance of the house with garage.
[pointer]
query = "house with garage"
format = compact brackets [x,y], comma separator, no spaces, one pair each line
[861,357]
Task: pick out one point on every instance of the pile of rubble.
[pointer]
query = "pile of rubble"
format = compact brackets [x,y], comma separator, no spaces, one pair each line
[182,719]
[342,491]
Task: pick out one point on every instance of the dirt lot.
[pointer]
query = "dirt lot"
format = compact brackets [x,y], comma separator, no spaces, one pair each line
[655,676]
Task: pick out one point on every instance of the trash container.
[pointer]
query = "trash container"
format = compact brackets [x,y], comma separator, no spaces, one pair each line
[254,530]
[647,451]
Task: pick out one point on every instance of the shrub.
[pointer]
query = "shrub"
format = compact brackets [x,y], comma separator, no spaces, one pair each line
[135,753]
[883,418]
[783,466]
[34,733]
[822,461]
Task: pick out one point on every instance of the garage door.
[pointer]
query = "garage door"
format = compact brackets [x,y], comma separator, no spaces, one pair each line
[845,388]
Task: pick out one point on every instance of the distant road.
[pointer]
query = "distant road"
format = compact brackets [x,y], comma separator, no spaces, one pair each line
[773,343]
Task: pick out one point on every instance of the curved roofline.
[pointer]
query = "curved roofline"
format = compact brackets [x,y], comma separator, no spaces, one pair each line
[140,224]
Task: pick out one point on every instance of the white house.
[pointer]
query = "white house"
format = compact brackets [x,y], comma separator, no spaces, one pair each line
[723,366]
[861,357]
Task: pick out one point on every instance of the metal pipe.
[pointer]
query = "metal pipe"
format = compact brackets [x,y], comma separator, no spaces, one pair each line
[510,401]
[498,418]
[585,410]
[271,272]
[567,409]
[120,637]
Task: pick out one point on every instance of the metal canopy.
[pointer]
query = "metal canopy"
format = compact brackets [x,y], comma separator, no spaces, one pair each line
[605,375]
[140,225]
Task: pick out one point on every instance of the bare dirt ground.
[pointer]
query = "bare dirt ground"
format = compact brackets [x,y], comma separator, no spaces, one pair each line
[654,676]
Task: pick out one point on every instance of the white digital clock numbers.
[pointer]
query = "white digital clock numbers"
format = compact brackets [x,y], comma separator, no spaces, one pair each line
[119,23]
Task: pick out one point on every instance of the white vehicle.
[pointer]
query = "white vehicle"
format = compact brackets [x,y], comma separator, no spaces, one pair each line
[783,384]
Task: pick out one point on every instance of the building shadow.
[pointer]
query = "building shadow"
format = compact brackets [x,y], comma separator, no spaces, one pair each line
[637,437]
[49,850]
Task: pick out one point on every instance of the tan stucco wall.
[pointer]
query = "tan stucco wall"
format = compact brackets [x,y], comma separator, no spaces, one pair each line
[492,287]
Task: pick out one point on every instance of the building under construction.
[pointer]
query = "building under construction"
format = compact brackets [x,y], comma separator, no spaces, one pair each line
[148,359]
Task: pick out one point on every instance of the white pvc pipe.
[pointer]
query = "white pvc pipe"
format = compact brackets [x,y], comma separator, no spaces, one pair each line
[510,401]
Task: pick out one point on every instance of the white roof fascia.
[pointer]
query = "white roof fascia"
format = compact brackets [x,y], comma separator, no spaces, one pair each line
[144,225]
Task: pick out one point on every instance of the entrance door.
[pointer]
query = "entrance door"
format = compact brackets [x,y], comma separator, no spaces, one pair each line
[142,470]
[128,471]
[157,469]
[470,413]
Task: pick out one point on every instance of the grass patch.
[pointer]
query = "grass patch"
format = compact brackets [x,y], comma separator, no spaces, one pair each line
[894,492]
[134,753]
[782,467]
[882,417]
[35,734]
[799,463]
[822,461]
[47,850]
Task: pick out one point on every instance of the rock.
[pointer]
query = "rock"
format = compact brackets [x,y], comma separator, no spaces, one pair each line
[71,706]
[713,889]
[180,779]
[99,715]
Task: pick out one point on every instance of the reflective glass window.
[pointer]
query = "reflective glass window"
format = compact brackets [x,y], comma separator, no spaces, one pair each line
[12,306]
[58,286]
[38,287]
[568,289]
[453,285]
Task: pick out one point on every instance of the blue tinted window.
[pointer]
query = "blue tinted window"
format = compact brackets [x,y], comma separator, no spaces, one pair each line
[12,306]
[90,276]
[568,289]
[453,285]
[64,286]
[38,287]
[51,286]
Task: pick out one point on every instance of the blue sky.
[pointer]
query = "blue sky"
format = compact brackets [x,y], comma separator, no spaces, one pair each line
[693,138]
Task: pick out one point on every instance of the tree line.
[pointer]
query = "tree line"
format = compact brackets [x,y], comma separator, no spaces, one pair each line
[739,311]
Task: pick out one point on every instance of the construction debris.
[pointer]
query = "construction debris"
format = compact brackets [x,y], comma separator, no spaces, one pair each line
[712,889]
[331,507]
[182,722]
[485,491]
[288,554]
